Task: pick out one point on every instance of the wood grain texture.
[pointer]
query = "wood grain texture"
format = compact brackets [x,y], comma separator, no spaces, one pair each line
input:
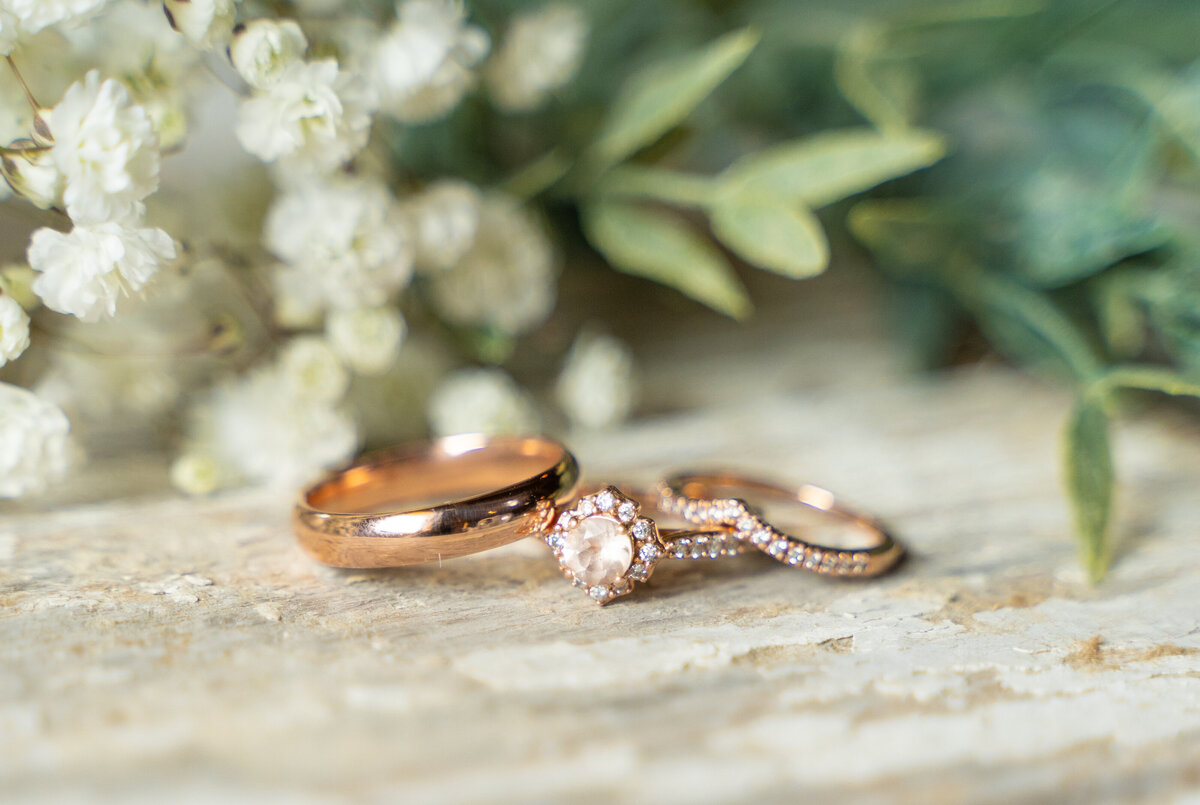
[166,650]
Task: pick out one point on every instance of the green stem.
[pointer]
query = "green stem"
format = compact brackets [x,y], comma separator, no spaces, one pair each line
[538,176]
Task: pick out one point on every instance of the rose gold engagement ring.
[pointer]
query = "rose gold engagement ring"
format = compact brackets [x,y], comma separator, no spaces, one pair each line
[437,500]
[720,501]
[604,545]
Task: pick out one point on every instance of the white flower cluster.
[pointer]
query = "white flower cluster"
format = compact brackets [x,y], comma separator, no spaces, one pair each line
[596,387]
[309,116]
[34,450]
[540,55]
[279,425]
[330,235]
[504,279]
[424,65]
[96,155]
[22,18]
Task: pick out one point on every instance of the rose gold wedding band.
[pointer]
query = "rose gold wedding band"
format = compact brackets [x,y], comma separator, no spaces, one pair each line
[432,501]
[714,500]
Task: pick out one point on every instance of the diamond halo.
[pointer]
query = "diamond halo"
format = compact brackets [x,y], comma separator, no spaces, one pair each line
[604,546]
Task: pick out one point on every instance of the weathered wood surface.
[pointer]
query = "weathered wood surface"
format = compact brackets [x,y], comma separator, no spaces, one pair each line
[164,650]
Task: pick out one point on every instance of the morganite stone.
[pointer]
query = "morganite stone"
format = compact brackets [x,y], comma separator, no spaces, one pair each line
[597,551]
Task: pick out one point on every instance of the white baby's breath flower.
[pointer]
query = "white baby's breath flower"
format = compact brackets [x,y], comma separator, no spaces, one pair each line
[424,64]
[84,271]
[481,401]
[311,368]
[263,50]
[196,473]
[445,217]
[506,280]
[540,54]
[258,429]
[596,386]
[207,24]
[38,14]
[367,339]
[14,329]
[32,174]
[345,238]
[34,450]
[106,150]
[312,114]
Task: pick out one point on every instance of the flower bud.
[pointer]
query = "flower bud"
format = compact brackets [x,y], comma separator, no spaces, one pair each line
[205,23]
[263,50]
[30,171]
[367,339]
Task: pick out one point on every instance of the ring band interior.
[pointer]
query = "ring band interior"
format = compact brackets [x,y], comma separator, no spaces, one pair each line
[454,469]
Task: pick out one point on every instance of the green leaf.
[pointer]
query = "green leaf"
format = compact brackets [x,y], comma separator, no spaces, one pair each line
[821,169]
[1022,322]
[653,244]
[881,89]
[1150,378]
[773,234]
[1071,228]
[659,97]
[1087,464]
[909,237]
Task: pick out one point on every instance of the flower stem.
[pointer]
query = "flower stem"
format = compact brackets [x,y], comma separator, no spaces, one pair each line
[33,104]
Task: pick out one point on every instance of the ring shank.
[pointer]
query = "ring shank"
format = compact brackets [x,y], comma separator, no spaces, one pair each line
[442,499]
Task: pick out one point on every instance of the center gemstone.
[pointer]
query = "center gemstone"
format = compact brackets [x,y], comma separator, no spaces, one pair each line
[597,551]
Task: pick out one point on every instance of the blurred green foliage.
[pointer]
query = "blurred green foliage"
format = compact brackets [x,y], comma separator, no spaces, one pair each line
[1027,170]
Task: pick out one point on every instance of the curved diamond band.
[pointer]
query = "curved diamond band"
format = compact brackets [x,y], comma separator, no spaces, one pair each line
[703,499]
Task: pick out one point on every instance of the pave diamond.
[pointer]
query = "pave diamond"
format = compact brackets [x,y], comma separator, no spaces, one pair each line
[606,501]
[648,553]
[641,530]
[626,512]
[597,551]
[586,508]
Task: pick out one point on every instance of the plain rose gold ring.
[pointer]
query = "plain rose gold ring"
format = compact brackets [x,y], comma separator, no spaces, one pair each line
[716,500]
[436,500]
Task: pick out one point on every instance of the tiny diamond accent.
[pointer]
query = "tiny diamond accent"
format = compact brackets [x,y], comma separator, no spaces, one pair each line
[641,530]
[639,572]
[586,508]
[746,523]
[626,512]
[761,537]
[599,593]
[778,548]
[554,540]
[648,552]
[606,501]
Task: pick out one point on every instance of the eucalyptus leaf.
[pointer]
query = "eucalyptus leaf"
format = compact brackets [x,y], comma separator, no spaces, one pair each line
[663,94]
[1151,378]
[882,91]
[1088,471]
[1023,322]
[826,167]
[909,237]
[772,233]
[1071,229]
[654,244]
